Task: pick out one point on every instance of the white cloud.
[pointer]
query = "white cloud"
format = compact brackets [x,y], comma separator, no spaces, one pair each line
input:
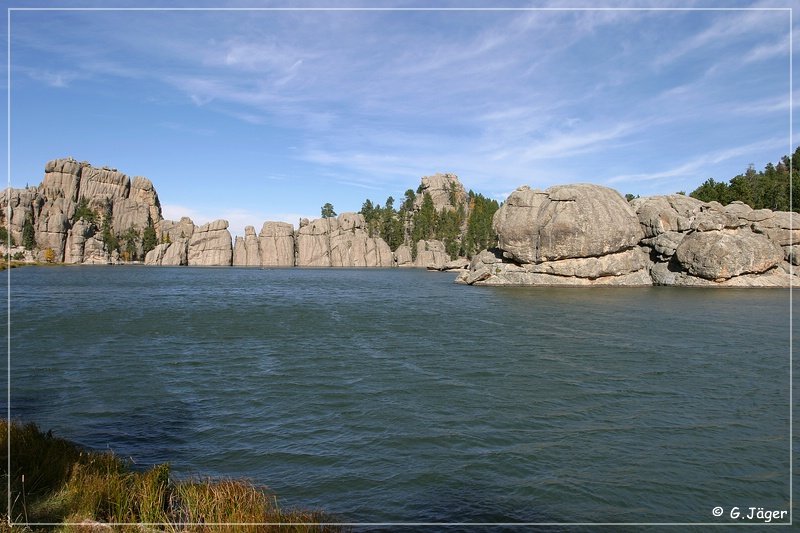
[696,165]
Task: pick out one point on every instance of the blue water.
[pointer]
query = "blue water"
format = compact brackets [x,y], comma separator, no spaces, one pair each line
[398,396]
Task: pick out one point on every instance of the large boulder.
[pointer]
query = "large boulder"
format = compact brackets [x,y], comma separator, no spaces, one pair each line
[723,254]
[211,245]
[565,221]
[578,235]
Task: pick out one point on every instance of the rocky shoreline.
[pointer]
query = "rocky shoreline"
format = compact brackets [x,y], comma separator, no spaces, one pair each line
[583,235]
[574,235]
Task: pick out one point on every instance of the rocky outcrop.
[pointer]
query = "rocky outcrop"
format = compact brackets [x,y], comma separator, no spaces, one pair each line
[183,229]
[566,235]
[245,250]
[402,256]
[177,254]
[211,245]
[565,221]
[276,244]
[694,243]
[431,254]
[313,242]
[340,242]
[588,235]
[445,190]
[52,209]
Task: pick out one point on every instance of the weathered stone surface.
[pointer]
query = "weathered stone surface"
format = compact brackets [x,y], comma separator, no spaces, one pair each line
[156,255]
[176,253]
[792,254]
[445,190]
[565,221]
[460,263]
[665,243]
[617,264]
[774,277]
[143,192]
[716,255]
[98,183]
[660,214]
[402,256]
[15,206]
[128,214]
[61,179]
[245,250]
[276,244]
[51,228]
[183,229]
[94,252]
[340,242]
[723,243]
[76,240]
[714,219]
[313,243]
[211,245]
[431,254]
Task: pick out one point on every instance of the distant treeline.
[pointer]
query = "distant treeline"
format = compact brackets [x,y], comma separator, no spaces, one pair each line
[767,189]
[465,228]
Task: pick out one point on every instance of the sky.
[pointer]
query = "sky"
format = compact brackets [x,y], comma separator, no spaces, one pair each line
[255,115]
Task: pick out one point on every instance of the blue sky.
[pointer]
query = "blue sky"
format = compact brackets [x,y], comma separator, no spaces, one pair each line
[266,115]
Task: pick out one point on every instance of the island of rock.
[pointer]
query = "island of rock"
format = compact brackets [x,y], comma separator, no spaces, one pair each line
[571,235]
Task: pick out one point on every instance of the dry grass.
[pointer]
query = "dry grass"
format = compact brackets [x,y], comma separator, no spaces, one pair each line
[53,480]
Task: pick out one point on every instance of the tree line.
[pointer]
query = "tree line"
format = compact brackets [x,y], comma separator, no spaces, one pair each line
[777,187]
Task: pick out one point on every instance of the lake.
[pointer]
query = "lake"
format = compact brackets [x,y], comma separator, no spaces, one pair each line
[399,396]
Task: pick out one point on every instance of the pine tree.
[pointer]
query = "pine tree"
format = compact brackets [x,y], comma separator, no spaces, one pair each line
[28,233]
[149,237]
[327,211]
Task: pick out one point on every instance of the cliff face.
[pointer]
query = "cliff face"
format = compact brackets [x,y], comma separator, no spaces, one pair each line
[71,205]
[85,214]
[589,235]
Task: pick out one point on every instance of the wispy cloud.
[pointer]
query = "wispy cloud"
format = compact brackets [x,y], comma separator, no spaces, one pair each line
[697,165]
[58,79]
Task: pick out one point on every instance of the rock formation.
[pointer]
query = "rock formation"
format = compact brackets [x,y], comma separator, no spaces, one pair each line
[210,245]
[445,190]
[431,254]
[566,235]
[276,244]
[580,235]
[245,250]
[52,209]
[694,243]
[340,242]
[588,235]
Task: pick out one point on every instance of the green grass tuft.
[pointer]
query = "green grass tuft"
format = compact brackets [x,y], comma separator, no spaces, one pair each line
[55,481]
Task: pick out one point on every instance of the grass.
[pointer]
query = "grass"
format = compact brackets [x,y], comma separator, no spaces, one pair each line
[55,481]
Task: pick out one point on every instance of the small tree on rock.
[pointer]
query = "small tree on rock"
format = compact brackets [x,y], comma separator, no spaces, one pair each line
[28,233]
[327,211]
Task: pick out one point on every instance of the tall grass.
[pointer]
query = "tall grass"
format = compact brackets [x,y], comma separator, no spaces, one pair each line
[54,481]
